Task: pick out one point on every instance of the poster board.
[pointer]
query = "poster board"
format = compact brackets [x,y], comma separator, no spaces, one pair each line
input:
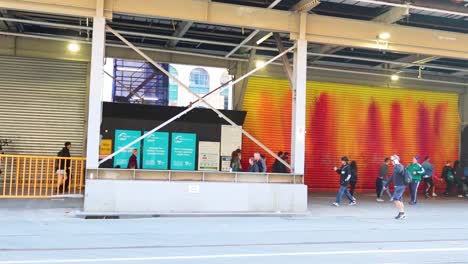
[208,156]
[231,139]
[226,163]
[183,149]
[156,151]
[122,138]
[105,148]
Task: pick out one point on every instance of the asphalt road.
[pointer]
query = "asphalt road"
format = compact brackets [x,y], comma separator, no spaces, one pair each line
[435,231]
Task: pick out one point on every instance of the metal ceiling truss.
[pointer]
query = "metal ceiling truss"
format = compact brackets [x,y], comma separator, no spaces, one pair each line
[337,34]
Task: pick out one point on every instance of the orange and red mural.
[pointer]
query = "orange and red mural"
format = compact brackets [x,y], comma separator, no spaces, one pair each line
[365,123]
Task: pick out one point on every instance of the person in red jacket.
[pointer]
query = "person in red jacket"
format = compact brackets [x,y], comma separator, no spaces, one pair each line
[132,161]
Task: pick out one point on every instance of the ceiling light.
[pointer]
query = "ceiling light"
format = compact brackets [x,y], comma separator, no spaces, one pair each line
[259,64]
[395,77]
[384,35]
[267,36]
[73,47]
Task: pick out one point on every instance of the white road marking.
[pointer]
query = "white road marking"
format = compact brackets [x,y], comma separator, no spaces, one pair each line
[252,255]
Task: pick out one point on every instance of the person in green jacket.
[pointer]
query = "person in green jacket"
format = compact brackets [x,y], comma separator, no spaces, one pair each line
[417,171]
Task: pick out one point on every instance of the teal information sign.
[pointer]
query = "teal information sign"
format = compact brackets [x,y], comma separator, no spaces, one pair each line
[183,151]
[156,151]
[122,138]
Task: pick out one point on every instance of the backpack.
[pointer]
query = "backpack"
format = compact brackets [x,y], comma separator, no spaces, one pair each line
[407,176]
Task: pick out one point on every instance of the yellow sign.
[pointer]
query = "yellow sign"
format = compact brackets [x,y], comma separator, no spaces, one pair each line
[106,147]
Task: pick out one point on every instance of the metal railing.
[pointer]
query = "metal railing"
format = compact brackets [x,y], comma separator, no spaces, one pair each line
[196,176]
[40,176]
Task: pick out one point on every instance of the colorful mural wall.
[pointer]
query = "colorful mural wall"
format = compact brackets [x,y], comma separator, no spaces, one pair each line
[365,123]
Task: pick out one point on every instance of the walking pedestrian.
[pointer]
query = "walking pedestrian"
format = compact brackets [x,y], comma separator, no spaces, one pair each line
[383,179]
[428,178]
[345,176]
[398,179]
[416,171]
[63,167]
[459,179]
[354,177]
[449,176]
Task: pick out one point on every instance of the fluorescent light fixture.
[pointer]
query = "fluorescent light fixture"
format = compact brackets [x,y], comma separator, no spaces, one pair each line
[384,35]
[395,77]
[259,64]
[151,99]
[73,47]
[267,36]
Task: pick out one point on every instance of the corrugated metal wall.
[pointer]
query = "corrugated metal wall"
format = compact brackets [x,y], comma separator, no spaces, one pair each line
[42,105]
[362,122]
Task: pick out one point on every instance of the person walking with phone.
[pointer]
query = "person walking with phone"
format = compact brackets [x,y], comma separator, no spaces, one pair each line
[345,176]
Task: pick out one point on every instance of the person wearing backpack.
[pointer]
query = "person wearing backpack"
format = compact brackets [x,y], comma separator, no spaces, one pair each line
[449,176]
[416,171]
[345,176]
[399,182]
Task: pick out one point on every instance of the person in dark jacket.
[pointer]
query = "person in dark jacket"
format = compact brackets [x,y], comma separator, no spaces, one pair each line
[253,166]
[354,177]
[276,168]
[236,157]
[448,175]
[428,178]
[382,181]
[64,165]
[345,176]
[459,179]
[133,161]
[398,179]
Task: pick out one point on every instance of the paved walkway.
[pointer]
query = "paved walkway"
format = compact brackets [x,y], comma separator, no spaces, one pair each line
[436,231]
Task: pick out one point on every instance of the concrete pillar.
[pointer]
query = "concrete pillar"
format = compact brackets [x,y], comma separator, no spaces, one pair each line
[96,86]
[299,100]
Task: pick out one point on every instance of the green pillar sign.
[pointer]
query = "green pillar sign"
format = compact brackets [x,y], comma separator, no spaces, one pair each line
[183,151]
[156,151]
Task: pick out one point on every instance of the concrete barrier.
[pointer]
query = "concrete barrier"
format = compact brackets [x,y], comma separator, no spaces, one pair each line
[143,196]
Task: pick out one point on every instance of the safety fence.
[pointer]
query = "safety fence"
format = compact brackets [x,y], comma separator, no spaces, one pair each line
[40,176]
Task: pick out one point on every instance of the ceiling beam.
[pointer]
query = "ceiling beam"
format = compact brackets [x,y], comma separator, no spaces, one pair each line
[302,6]
[320,29]
[182,28]
[64,7]
[392,15]
[252,35]
[305,5]
[286,65]
[411,59]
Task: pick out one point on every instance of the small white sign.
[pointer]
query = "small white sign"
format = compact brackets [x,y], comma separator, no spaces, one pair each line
[194,188]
